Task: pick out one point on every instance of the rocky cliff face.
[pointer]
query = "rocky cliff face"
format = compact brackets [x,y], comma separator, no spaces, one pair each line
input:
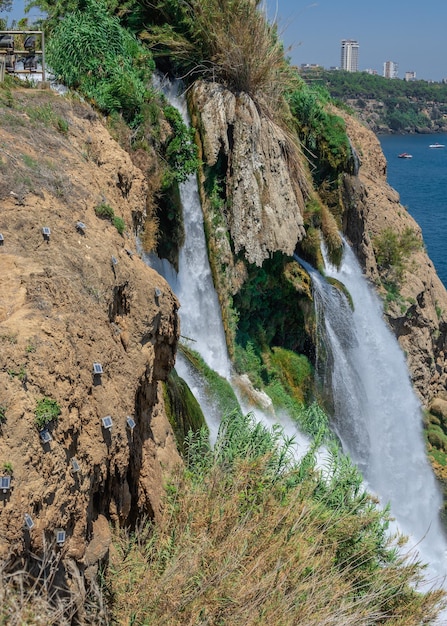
[419,317]
[79,296]
[267,187]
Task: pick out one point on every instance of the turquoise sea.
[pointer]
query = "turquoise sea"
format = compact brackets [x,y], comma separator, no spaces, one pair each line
[422,184]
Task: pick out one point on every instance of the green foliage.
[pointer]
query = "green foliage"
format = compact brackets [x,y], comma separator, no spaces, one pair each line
[46,115]
[322,133]
[392,252]
[249,535]
[294,371]
[105,211]
[7,467]
[180,150]
[20,374]
[247,360]
[268,305]
[183,410]
[218,388]
[436,435]
[46,411]
[90,51]
[119,224]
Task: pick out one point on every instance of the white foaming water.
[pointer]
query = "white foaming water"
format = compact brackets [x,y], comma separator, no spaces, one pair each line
[376,412]
[200,316]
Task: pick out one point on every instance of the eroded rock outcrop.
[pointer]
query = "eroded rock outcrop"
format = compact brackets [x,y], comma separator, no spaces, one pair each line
[266,184]
[419,316]
[68,300]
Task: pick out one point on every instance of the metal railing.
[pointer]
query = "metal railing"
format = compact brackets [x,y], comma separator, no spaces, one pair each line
[8,52]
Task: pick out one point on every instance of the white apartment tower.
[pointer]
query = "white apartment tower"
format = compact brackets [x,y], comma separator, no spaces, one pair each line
[349,55]
[390,69]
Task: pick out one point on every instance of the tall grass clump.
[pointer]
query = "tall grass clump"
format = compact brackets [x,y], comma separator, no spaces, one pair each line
[230,42]
[249,536]
[41,589]
[90,51]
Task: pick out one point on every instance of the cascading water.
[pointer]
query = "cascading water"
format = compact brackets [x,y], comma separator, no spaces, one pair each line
[377,415]
[200,315]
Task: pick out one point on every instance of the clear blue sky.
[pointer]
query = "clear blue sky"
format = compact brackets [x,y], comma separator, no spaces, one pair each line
[412,33]
[409,32]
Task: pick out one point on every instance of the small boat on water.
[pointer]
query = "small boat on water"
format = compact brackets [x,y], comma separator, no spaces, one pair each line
[405,155]
[436,145]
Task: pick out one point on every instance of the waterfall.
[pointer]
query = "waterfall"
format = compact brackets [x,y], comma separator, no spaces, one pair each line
[200,314]
[376,413]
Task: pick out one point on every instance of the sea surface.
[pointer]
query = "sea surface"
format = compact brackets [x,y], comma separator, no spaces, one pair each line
[422,184]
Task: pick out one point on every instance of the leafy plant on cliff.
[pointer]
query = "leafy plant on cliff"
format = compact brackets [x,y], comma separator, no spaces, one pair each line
[90,51]
[393,251]
[322,133]
[105,211]
[180,150]
[46,411]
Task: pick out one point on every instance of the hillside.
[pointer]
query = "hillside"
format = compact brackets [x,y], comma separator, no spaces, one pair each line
[65,304]
[388,105]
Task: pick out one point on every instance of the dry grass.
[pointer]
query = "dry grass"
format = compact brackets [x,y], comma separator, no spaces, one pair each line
[42,590]
[331,235]
[234,550]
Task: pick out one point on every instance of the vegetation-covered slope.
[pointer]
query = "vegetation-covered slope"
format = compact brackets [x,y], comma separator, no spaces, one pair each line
[389,105]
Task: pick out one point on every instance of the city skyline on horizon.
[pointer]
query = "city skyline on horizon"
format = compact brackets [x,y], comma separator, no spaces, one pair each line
[312,34]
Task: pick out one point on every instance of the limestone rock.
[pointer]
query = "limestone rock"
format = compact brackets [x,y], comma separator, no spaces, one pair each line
[266,185]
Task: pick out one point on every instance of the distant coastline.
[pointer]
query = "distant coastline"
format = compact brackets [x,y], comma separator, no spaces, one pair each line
[387,106]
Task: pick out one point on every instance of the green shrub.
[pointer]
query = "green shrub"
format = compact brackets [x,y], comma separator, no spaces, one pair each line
[392,251]
[119,224]
[90,51]
[46,411]
[294,371]
[180,150]
[322,133]
[62,125]
[105,211]
[7,467]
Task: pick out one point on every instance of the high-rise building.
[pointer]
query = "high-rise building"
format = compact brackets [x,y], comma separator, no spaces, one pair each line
[390,69]
[409,76]
[349,55]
